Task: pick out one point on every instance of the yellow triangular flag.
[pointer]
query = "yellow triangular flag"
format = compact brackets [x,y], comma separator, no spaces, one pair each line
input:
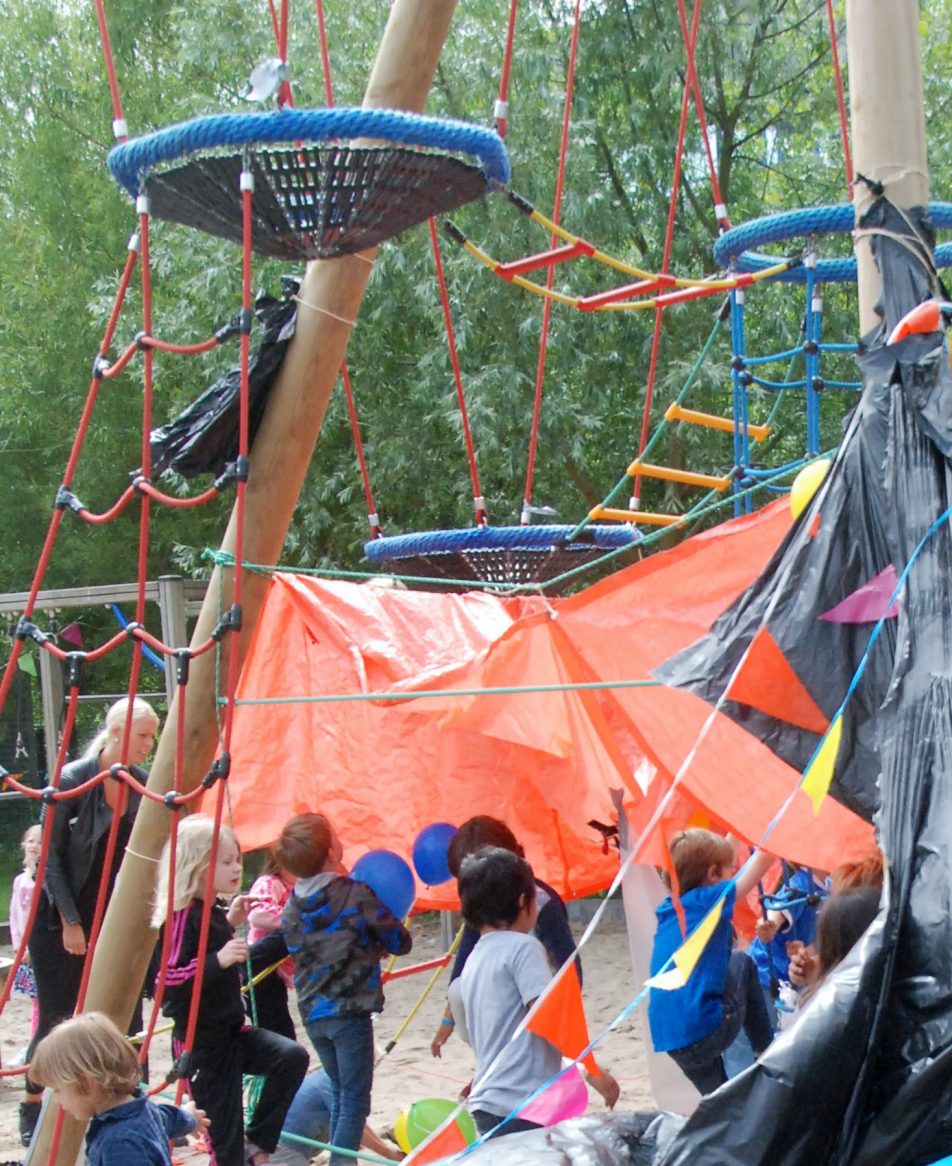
[687,955]
[819,773]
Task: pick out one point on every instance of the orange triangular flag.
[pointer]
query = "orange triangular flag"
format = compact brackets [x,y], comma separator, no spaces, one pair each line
[445,1141]
[560,1018]
[766,681]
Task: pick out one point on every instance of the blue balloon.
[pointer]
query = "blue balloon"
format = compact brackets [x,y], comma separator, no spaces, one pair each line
[430,852]
[389,877]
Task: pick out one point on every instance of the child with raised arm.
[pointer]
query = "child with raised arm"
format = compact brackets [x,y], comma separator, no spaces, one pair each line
[96,1077]
[695,1024]
[335,930]
[225,1046]
[268,1007]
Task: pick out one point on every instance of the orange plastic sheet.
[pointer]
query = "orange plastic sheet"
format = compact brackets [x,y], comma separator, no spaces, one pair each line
[545,762]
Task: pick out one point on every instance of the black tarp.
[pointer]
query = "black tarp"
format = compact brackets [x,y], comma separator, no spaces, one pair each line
[203,438]
[865,1074]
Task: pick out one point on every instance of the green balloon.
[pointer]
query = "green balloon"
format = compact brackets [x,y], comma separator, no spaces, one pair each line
[424,1116]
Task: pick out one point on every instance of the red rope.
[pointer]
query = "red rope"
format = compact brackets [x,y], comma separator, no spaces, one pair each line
[840,99]
[503,104]
[666,259]
[690,45]
[481,517]
[550,278]
[119,121]
[325,56]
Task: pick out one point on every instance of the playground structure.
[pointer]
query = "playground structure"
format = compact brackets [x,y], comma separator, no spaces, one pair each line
[265,479]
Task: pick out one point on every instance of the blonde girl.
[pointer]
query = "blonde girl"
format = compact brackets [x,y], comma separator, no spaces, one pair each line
[225,1047]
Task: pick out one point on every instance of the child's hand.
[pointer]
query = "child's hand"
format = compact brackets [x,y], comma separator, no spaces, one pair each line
[201,1118]
[803,966]
[238,910]
[235,951]
[606,1087]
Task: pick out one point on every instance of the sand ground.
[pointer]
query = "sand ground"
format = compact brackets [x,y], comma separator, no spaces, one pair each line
[409,1072]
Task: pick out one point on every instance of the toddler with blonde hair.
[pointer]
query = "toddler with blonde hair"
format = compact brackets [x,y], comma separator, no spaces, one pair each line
[96,1077]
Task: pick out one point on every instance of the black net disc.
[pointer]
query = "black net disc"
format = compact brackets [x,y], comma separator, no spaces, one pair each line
[314,202]
[526,566]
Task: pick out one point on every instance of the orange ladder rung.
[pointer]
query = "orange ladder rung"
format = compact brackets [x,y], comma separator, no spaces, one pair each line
[639,469]
[675,412]
[644,517]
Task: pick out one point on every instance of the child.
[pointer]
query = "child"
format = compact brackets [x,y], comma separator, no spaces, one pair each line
[268,895]
[844,918]
[787,927]
[335,930]
[225,1046]
[20,897]
[695,1024]
[507,970]
[96,1077]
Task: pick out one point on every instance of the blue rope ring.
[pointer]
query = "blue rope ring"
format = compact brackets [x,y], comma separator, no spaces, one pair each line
[131,161]
[738,244]
[513,555]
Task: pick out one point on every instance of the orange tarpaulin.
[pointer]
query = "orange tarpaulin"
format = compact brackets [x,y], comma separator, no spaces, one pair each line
[545,761]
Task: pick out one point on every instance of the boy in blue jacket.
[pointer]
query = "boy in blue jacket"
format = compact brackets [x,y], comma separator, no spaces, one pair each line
[697,1023]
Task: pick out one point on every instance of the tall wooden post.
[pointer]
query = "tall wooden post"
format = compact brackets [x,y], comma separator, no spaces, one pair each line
[332,290]
[888,118]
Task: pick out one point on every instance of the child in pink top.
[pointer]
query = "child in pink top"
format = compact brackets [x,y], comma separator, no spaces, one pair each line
[268,894]
[20,898]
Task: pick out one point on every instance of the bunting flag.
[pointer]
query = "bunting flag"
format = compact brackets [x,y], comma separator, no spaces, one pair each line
[559,1018]
[767,682]
[446,1140]
[869,603]
[819,773]
[686,957]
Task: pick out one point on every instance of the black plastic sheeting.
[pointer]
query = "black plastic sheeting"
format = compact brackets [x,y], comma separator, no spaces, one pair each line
[620,1139]
[865,1074]
[203,438]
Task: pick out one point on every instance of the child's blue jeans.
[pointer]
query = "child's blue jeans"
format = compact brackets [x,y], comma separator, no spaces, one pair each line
[744,1007]
[346,1048]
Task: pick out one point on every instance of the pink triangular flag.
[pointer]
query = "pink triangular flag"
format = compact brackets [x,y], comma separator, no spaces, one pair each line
[868,603]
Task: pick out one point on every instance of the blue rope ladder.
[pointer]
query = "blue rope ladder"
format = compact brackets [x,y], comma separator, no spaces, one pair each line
[316,196]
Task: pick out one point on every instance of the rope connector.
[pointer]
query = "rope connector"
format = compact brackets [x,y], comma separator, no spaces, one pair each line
[132,630]
[138,480]
[141,340]
[227,331]
[74,669]
[65,498]
[117,772]
[27,630]
[811,348]
[737,363]
[246,318]
[170,800]
[817,384]
[221,768]
[744,377]
[229,622]
[183,657]
[48,796]
[181,1067]
[101,366]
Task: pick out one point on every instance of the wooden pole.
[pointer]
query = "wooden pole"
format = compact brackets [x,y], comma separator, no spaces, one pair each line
[887,112]
[401,79]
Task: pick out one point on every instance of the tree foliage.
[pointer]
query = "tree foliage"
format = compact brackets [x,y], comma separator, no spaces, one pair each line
[767,80]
